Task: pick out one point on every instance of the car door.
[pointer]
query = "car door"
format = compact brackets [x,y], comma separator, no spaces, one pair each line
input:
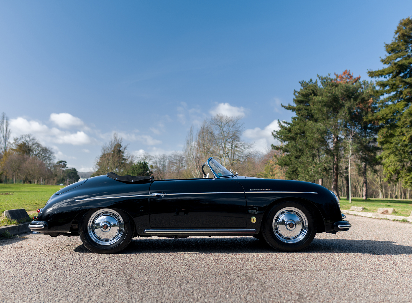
[197,203]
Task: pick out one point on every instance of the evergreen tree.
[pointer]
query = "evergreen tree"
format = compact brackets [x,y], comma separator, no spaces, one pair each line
[313,143]
[140,168]
[114,158]
[303,141]
[395,110]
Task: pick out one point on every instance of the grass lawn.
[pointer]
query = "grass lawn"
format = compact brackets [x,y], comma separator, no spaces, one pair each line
[19,196]
[402,207]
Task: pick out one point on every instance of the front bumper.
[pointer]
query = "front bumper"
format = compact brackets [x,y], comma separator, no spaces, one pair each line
[38,226]
[341,226]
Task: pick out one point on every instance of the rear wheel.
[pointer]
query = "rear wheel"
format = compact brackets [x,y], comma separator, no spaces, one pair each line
[289,226]
[106,230]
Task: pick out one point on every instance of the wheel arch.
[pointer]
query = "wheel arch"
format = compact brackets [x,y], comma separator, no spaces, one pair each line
[311,206]
[75,225]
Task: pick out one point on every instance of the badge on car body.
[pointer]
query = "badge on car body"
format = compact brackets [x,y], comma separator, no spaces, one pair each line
[253,219]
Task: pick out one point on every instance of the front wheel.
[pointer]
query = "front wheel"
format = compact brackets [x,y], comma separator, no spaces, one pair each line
[289,226]
[106,230]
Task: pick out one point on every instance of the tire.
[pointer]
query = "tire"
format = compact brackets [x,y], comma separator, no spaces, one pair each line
[106,230]
[289,226]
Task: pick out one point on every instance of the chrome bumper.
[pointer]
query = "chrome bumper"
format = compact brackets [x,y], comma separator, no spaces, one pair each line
[341,226]
[38,225]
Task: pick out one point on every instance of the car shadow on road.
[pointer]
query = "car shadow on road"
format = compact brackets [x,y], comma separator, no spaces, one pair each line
[358,246]
[252,245]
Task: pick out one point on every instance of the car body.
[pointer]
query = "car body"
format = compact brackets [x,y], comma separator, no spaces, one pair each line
[109,210]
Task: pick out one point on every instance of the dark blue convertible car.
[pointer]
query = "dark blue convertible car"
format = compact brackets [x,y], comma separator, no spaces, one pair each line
[109,210]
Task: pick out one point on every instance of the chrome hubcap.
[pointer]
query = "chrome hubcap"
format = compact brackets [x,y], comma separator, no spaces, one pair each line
[105,227]
[290,225]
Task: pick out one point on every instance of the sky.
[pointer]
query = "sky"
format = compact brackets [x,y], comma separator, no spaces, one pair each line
[74,72]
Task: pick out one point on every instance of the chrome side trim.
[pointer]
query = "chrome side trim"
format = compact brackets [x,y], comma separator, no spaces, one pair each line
[292,192]
[109,197]
[187,193]
[344,226]
[237,192]
[199,231]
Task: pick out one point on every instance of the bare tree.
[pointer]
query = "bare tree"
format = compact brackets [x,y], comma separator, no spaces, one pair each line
[192,155]
[4,132]
[13,165]
[219,137]
[27,144]
[33,170]
[176,166]
[227,145]
[159,166]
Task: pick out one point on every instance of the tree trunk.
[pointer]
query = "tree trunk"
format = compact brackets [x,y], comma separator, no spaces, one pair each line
[365,182]
[335,174]
[321,181]
[347,187]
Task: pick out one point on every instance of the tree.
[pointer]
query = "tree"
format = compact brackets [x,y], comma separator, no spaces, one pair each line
[363,131]
[271,167]
[28,145]
[12,164]
[312,144]
[395,111]
[33,170]
[113,158]
[219,137]
[303,142]
[140,168]
[71,175]
[4,132]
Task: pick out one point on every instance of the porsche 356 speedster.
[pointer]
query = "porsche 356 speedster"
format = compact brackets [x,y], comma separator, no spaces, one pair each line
[107,211]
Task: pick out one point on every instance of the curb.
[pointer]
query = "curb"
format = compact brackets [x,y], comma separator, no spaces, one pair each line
[15,229]
[378,216]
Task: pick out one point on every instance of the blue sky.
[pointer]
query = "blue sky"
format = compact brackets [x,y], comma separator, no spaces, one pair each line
[74,72]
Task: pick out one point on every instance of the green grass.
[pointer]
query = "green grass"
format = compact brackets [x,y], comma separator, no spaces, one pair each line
[402,207]
[25,196]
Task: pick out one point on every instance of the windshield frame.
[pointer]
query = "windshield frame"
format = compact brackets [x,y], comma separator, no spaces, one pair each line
[215,166]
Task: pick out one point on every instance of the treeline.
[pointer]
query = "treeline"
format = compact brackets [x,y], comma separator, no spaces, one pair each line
[219,136]
[342,125]
[25,160]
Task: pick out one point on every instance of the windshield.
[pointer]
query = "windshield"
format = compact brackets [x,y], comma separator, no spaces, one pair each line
[217,169]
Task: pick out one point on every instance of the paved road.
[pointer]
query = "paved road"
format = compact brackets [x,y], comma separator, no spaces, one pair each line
[370,263]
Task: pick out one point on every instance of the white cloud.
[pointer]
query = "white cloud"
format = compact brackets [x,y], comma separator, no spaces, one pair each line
[145,139]
[228,110]
[66,120]
[153,151]
[44,134]
[194,115]
[262,137]
[79,138]
[86,150]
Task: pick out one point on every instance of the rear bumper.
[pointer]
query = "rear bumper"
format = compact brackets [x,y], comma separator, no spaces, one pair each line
[38,226]
[341,226]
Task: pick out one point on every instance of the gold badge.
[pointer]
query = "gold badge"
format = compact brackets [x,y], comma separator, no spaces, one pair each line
[253,219]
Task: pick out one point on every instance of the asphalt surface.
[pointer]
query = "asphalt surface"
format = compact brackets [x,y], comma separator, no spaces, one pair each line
[370,263]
